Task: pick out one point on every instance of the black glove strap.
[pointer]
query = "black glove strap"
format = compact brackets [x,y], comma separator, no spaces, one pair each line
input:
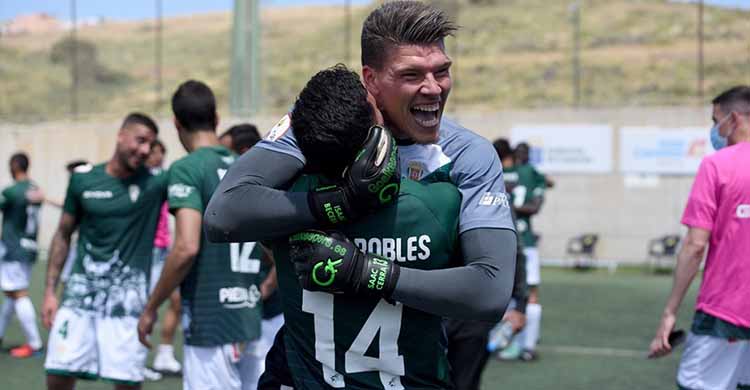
[329,205]
[379,277]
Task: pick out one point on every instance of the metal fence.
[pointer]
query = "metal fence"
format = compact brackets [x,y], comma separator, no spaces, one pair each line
[509,54]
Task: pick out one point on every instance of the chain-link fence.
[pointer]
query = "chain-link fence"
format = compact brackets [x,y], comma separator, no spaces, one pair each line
[508,54]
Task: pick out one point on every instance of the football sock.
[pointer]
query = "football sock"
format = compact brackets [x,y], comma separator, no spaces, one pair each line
[27,317]
[6,313]
[533,322]
[167,349]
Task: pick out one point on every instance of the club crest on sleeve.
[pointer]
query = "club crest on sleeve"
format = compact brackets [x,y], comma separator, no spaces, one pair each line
[280,128]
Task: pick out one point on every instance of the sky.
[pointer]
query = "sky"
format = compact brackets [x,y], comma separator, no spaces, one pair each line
[134,9]
[145,9]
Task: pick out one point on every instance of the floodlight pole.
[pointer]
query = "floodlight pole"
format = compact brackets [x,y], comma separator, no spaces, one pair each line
[348,32]
[244,88]
[701,69]
[158,54]
[575,10]
[74,64]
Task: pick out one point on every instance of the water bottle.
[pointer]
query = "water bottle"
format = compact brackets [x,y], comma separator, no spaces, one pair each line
[500,336]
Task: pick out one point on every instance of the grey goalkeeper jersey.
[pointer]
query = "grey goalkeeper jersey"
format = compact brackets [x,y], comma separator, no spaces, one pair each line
[459,156]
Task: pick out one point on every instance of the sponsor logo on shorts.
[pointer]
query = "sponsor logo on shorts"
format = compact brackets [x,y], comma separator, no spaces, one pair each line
[180,190]
[494,199]
[239,297]
[743,211]
[97,194]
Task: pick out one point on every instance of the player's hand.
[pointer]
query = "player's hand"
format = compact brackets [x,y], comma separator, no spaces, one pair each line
[49,309]
[516,319]
[330,262]
[371,181]
[146,326]
[660,345]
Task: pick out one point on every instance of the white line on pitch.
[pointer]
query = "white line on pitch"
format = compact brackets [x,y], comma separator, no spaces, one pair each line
[593,351]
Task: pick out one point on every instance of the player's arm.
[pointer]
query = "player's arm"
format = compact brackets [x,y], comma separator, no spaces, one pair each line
[481,288]
[478,290]
[58,252]
[176,267]
[688,263]
[531,207]
[269,284]
[249,205]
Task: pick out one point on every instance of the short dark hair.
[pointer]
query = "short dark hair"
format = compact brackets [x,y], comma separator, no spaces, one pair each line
[402,23]
[158,144]
[139,118]
[19,162]
[734,99]
[502,147]
[331,119]
[244,136]
[71,166]
[194,106]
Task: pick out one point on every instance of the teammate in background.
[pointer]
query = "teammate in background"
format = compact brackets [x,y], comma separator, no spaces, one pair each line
[219,283]
[717,353]
[528,187]
[522,157]
[240,138]
[468,340]
[115,206]
[406,70]
[20,225]
[339,304]
[164,361]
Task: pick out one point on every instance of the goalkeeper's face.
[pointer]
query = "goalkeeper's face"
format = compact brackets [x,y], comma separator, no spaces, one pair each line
[411,89]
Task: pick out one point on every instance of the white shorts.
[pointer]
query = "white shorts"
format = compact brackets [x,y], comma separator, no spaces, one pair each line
[14,275]
[88,345]
[225,367]
[157,265]
[533,274]
[259,348]
[713,363]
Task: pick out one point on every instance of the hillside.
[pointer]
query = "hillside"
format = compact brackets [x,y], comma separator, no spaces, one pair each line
[509,54]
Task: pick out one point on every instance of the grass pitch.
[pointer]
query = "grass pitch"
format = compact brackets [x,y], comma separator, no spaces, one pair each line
[596,328]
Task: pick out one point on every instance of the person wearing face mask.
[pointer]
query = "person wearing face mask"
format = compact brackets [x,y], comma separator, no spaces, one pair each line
[717,354]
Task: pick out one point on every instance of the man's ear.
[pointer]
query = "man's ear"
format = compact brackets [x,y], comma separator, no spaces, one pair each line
[369,77]
[177,124]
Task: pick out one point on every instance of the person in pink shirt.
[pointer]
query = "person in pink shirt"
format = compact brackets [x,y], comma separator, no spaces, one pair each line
[717,353]
[164,361]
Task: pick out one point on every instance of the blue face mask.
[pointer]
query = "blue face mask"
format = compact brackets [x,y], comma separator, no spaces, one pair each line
[718,141]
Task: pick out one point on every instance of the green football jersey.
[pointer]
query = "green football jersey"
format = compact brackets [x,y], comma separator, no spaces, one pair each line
[353,342]
[526,183]
[20,223]
[221,293]
[116,223]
